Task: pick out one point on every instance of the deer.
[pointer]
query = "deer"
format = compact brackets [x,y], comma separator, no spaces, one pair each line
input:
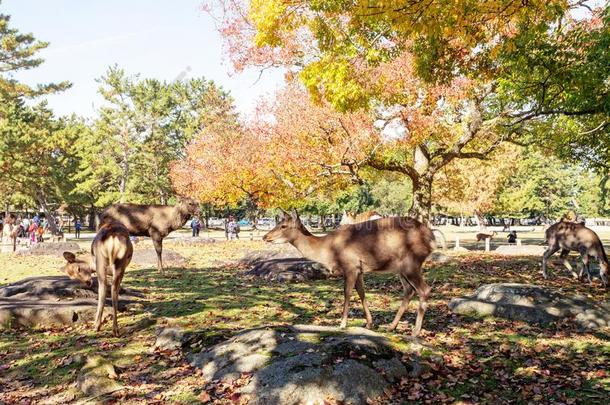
[484,235]
[569,236]
[156,221]
[12,229]
[349,218]
[111,252]
[398,245]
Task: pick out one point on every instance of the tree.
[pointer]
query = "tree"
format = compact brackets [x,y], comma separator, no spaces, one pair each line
[471,186]
[26,131]
[143,127]
[443,70]
[544,186]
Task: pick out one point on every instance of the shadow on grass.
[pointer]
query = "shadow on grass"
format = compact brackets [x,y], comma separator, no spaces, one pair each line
[219,301]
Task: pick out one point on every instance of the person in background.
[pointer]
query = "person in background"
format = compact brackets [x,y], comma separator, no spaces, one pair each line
[512,238]
[77,228]
[41,230]
[195,226]
[231,228]
[25,223]
[36,220]
[32,230]
[60,223]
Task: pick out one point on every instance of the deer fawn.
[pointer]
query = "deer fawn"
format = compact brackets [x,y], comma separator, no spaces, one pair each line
[111,252]
[572,236]
[391,245]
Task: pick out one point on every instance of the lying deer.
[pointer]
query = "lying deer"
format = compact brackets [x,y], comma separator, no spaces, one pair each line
[156,221]
[396,245]
[111,252]
[571,236]
[349,218]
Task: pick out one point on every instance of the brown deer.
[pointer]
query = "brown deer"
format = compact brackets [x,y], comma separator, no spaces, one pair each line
[349,218]
[392,245]
[572,236]
[484,235]
[111,252]
[12,229]
[80,269]
[156,221]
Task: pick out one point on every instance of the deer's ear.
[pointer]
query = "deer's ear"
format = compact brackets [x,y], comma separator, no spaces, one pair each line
[69,256]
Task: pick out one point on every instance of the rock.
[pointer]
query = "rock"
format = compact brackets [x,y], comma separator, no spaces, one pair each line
[438,257]
[523,250]
[97,377]
[169,338]
[53,300]
[304,364]
[532,304]
[148,257]
[284,267]
[190,241]
[50,249]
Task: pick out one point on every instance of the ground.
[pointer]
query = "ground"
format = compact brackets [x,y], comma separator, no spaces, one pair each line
[463,359]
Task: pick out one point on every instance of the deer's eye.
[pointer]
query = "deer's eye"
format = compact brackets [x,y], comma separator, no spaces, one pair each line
[284,226]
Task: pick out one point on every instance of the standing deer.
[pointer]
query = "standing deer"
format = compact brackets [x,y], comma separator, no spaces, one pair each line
[156,221]
[390,245]
[12,229]
[484,235]
[571,236]
[111,252]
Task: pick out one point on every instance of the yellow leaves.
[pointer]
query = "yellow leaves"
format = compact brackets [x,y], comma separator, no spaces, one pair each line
[269,17]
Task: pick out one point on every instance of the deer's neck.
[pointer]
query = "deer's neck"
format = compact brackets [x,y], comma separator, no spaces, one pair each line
[312,248]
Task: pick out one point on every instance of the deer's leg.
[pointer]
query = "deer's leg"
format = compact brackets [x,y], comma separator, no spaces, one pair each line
[408,292]
[585,265]
[564,256]
[365,305]
[117,275]
[158,243]
[348,286]
[548,253]
[101,293]
[423,291]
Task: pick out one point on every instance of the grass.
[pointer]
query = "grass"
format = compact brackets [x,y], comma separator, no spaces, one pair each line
[466,359]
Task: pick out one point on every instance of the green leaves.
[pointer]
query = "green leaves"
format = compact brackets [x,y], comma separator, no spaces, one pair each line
[144,126]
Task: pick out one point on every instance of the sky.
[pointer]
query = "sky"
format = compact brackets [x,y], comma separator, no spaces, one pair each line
[153,38]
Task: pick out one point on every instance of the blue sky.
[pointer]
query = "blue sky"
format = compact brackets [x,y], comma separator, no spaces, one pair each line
[160,39]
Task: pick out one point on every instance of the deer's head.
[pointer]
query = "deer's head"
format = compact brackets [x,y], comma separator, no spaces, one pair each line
[287,230]
[78,269]
[189,205]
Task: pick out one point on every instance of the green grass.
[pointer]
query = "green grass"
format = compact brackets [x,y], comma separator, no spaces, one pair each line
[462,356]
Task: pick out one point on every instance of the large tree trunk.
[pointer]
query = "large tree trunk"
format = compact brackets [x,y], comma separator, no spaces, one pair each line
[422,186]
[422,199]
[50,217]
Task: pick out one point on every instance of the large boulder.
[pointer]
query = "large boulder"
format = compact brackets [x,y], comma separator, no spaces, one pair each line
[148,257]
[284,266]
[532,304]
[43,301]
[98,377]
[304,364]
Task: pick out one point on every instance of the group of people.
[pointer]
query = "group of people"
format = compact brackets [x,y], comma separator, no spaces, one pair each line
[231,227]
[34,228]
